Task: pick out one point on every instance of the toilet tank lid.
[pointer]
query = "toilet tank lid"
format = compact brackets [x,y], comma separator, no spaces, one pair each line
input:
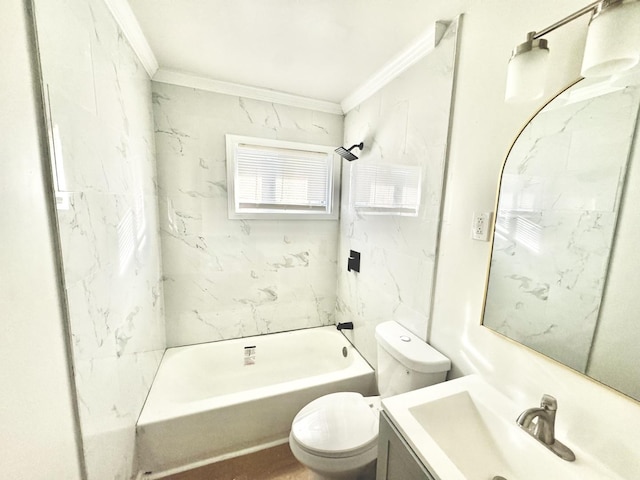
[409,350]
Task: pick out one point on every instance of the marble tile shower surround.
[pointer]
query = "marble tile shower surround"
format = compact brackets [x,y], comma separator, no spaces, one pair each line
[544,290]
[405,123]
[613,352]
[234,278]
[99,106]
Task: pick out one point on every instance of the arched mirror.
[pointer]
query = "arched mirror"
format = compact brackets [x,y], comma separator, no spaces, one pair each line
[564,278]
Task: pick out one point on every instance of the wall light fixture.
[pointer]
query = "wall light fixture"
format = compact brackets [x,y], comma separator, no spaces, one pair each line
[612,46]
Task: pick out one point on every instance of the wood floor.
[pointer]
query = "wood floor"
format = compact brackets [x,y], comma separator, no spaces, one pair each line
[277,463]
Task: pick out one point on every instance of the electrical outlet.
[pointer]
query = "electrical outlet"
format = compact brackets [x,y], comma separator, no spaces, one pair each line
[480,226]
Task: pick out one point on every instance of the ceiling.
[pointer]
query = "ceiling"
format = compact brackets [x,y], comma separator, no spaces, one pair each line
[319,49]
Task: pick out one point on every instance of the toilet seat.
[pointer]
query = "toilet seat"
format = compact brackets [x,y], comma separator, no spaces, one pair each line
[337,425]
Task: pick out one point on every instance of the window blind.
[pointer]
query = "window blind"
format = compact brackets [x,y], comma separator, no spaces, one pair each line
[282,179]
[386,189]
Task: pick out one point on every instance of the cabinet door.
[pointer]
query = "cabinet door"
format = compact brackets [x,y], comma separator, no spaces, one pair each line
[396,460]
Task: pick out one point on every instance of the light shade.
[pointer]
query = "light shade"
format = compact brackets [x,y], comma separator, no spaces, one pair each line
[627,78]
[613,39]
[527,71]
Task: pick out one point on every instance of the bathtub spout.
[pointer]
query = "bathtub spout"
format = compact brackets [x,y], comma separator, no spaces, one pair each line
[345,326]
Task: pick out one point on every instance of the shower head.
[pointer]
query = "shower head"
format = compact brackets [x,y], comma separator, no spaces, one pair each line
[346,153]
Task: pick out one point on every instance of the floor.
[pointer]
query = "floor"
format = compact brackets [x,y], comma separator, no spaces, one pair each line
[277,463]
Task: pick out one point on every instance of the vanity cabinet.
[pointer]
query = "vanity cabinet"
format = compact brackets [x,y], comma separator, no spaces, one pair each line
[396,460]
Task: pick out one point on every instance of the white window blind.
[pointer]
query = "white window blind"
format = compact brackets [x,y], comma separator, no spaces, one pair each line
[279,178]
[386,189]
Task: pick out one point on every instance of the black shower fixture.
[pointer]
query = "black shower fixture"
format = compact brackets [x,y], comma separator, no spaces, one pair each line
[346,153]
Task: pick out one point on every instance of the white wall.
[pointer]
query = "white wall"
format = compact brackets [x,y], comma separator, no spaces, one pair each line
[37,434]
[235,278]
[589,415]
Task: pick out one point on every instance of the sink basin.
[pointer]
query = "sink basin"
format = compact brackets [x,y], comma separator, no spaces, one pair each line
[464,429]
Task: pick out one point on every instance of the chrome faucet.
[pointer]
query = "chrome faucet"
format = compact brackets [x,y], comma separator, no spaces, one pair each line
[540,424]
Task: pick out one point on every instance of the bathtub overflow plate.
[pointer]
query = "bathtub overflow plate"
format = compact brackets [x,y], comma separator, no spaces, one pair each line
[344,352]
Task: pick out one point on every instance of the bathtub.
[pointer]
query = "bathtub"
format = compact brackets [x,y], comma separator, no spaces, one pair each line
[211,401]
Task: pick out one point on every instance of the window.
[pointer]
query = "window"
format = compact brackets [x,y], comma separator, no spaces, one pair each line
[276,179]
[386,189]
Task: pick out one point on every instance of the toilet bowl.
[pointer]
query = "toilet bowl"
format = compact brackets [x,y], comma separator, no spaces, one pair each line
[336,436]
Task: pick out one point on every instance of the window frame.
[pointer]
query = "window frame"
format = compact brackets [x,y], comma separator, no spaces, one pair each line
[333,197]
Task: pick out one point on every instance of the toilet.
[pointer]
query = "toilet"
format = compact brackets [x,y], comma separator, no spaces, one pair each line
[336,436]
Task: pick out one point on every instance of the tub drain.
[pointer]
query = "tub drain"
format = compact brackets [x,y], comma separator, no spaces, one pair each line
[344,352]
[498,477]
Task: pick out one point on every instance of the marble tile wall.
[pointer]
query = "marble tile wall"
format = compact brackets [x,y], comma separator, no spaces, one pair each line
[562,180]
[405,123]
[234,278]
[614,351]
[99,105]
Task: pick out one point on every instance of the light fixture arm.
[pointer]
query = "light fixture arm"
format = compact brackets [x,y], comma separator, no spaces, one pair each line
[612,46]
[592,7]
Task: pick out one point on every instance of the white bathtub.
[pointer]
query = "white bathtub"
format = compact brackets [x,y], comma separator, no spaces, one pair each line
[205,403]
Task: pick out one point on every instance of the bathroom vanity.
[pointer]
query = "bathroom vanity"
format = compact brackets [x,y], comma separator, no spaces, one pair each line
[465,429]
[396,459]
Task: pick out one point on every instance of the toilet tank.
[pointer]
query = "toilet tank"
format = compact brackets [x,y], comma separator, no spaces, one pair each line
[405,362]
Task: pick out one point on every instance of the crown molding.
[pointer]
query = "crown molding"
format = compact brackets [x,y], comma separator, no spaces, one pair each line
[184,79]
[414,52]
[128,23]
[419,48]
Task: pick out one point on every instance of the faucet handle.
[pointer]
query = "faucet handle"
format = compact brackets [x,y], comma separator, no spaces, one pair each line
[548,402]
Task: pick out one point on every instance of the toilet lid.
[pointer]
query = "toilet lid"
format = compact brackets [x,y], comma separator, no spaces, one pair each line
[336,425]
